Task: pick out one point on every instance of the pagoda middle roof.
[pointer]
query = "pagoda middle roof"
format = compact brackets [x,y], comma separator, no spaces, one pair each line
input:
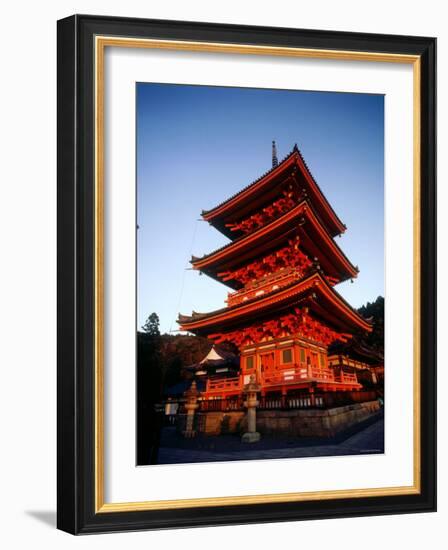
[316,241]
[256,193]
[321,297]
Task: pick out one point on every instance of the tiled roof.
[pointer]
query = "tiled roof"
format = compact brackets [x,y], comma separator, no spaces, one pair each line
[238,239]
[289,155]
[195,259]
[196,316]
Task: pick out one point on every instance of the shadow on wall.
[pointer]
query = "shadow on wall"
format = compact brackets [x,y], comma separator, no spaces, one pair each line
[48,517]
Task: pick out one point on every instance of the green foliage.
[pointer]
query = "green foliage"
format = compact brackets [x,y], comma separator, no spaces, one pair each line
[375,311]
[149,386]
[151,325]
[160,362]
[162,357]
[173,371]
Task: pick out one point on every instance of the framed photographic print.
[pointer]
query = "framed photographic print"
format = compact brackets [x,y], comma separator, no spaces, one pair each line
[246,274]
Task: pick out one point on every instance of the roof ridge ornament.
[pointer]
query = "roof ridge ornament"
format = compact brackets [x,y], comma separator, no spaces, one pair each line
[274,155]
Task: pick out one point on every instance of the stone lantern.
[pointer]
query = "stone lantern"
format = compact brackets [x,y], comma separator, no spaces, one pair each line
[191,405]
[250,390]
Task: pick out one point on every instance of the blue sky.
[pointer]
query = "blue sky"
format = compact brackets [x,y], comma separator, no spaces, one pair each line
[198,145]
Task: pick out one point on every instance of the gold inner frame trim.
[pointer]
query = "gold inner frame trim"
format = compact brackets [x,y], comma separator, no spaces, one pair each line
[101,42]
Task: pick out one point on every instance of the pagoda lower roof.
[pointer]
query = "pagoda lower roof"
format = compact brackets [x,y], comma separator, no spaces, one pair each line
[255,194]
[313,291]
[300,220]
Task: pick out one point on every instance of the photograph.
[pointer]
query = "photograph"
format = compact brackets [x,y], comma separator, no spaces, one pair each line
[260,273]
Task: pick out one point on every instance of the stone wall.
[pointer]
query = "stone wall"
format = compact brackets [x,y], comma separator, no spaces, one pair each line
[216,423]
[314,423]
[295,423]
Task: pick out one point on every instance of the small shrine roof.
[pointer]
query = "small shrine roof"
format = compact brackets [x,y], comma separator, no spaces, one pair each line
[216,357]
[216,354]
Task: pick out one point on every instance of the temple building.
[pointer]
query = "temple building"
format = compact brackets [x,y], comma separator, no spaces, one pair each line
[283,313]
[217,365]
[357,357]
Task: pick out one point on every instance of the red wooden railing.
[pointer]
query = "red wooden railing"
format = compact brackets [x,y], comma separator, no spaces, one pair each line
[321,373]
[285,377]
[270,284]
[347,377]
[224,385]
[300,374]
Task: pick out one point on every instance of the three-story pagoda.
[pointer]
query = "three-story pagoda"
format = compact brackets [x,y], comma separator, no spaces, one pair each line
[282,264]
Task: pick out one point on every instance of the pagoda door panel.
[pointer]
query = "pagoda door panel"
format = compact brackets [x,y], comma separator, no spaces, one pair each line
[267,363]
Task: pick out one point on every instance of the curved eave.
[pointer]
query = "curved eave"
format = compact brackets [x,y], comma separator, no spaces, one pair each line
[226,206]
[339,227]
[217,215]
[212,263]
[344,314]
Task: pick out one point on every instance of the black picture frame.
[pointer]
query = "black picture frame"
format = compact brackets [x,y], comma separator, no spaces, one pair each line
[76,286]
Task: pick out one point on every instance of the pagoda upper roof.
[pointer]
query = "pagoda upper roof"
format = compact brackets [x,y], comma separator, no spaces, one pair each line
[255,195]
[301,220]
[314,290]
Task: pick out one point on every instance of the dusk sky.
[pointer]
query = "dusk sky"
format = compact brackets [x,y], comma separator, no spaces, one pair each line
[198,145]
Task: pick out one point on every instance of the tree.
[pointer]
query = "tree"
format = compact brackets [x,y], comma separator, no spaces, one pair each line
[152,324]
[160,362]
[149,389]
[375,312]
[173,371]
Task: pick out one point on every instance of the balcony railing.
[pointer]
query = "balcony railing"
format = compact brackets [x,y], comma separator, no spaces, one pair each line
[321,373]
[347,377]
[269,284]
[224,385]
[287,376]
[299,374]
